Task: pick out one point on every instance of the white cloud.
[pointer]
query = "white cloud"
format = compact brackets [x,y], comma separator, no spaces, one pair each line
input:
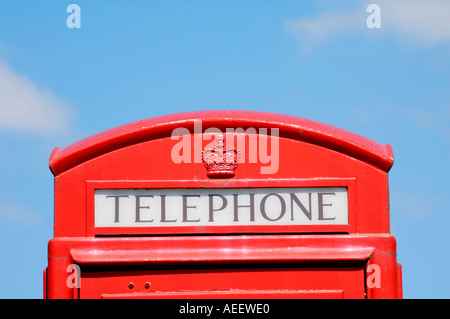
[321,28]
[422,22]
[25,108]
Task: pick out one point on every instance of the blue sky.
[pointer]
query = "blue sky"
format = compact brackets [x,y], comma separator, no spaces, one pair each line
[314,59]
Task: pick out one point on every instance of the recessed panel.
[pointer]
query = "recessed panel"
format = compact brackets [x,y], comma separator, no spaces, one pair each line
[221,207]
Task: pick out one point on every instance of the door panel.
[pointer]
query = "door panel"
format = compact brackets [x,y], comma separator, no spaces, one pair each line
[290,281]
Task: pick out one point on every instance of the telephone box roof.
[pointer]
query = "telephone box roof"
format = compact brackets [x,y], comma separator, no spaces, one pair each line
[321,134]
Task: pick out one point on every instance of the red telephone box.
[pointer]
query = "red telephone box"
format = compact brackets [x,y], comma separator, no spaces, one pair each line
[222,204]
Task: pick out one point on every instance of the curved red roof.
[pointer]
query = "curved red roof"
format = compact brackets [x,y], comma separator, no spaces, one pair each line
[351,144]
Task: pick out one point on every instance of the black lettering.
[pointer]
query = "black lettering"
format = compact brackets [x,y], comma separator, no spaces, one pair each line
[116,205]
[321,205]
[185,208]
[211,203]
[163,211]
[295,199]
[263,207]
[138,208]
[251,206]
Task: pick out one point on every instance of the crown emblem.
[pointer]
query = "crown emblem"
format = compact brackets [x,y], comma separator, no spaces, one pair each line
[220,162]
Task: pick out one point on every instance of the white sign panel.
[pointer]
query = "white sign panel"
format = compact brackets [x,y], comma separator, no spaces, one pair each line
[221,207]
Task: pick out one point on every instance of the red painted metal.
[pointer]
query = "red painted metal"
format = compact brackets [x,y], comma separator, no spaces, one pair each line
[290,127]
[317,261]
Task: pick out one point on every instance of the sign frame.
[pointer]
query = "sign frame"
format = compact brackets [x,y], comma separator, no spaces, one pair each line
[92,185]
